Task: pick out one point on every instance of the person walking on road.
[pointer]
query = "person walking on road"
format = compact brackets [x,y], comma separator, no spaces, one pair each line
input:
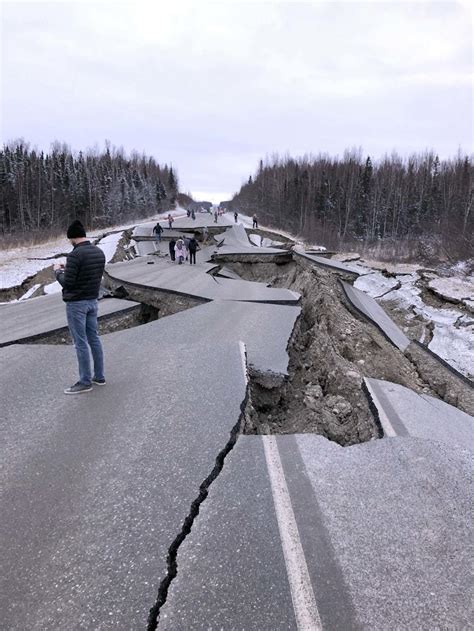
[172,246]
[157,230]
[186,241]
[215,215]
[236,216]
[80,280]
[180,251]
[193,215]
[193,247]
[255,221]
[170,220]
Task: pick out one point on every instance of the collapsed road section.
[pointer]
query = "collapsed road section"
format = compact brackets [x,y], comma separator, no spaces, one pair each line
[145,496]
[43,319]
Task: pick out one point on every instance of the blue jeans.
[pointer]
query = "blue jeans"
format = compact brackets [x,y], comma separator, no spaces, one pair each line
[82,322]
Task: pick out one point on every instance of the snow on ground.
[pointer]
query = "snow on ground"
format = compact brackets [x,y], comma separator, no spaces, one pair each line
[52,288]
[392,268]
[454,289]
[453,332]
[109,244]
[375,285]
[455,346]
[20,263]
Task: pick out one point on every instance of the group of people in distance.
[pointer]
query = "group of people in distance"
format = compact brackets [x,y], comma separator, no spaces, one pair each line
[182,249]
[185,248]
[254,219]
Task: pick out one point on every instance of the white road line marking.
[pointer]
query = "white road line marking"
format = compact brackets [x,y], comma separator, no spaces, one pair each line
[243,357]
[384,420]
[302,595]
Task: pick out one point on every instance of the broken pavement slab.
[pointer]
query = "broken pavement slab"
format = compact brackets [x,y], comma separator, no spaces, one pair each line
[194,281]
[234,242]
[383,529]
[265,329]
[203,220]
[235,236]
[374,312]
[353,270]
[226,272]
[33,318]
[403,412]
[455,290]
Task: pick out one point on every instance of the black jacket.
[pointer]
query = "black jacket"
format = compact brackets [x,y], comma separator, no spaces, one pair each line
[193,245]
[83,273]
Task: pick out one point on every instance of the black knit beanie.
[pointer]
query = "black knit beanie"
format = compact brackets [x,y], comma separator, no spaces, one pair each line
[76,230]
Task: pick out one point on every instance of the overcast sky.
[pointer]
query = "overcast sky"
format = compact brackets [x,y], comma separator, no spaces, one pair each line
[214,87]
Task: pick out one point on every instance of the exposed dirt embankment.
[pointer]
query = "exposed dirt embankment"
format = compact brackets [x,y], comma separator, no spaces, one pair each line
[330,352]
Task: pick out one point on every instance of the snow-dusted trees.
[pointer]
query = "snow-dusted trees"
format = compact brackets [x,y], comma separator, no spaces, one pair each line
[46,192]
[336,200]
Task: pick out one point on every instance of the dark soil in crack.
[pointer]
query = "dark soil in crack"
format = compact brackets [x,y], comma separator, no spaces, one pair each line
[138,315]
[330,352]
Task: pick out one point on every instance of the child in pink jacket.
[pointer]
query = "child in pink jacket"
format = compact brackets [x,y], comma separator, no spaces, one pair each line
[180,251]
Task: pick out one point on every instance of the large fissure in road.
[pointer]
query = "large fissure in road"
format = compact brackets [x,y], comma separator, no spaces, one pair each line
[331,350]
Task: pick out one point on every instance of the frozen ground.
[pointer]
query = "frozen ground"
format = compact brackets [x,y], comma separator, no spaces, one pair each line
[18,264]
[450,328]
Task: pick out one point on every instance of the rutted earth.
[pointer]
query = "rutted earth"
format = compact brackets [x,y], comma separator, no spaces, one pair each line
[331,350]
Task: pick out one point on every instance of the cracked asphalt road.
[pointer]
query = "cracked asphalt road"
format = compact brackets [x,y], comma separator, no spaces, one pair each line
[95,489]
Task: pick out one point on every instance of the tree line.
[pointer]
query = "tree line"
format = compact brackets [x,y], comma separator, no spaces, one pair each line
[335,200]
[44,192]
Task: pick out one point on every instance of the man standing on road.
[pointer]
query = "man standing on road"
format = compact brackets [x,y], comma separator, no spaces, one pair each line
[81,280]
[157,230]
[236,216]
[255,221]
[171,245]
[192,247]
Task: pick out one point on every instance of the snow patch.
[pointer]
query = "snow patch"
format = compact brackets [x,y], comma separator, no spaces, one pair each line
[455,347]
[52,288]
[109,245]
[18,264]
[29,293]
[453,332]
[454,289]
[375,285]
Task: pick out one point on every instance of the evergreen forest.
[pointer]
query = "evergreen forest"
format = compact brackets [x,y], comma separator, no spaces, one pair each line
[42,193]
[353,199]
